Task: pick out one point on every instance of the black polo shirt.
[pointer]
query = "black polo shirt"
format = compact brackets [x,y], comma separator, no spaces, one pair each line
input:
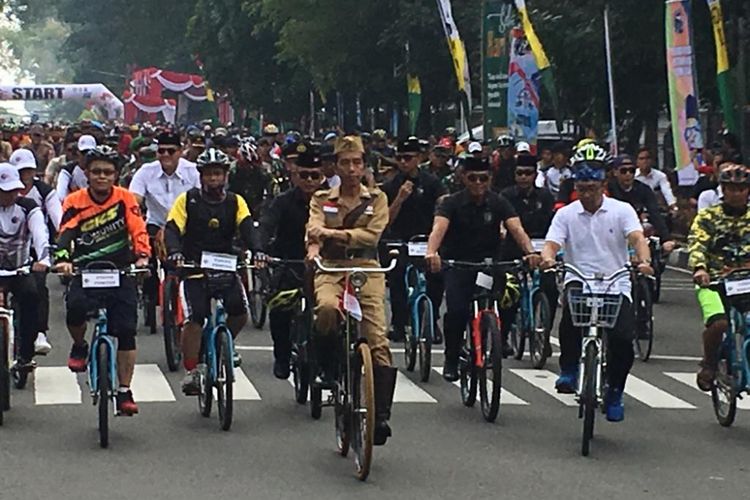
[282,225]
[535,208]
[474,230]
[417,211]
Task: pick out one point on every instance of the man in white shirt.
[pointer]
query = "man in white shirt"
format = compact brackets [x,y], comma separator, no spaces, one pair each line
[157,185]
[655,179]
[595,232]
[559,171]
[72,176]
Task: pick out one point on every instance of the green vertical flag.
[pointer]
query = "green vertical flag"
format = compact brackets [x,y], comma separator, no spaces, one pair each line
[541,59]
[723,80]
[415,101]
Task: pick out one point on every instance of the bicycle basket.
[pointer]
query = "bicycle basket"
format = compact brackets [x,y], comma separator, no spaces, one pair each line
[593,309]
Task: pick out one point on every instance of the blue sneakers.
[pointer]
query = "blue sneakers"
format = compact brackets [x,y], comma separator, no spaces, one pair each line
[567,381]
[613,405]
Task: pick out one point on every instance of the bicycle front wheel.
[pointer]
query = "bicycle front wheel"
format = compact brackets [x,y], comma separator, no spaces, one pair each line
[257,298]
[588,397]
[171,324]
[539,338]
[724,389]
[104,390]
[491,371]
[362,410]
[224,377]
[426,334]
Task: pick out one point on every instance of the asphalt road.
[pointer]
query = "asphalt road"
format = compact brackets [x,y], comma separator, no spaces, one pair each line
[669,445]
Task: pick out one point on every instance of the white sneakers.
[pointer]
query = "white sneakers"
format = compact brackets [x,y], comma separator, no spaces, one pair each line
[42,345]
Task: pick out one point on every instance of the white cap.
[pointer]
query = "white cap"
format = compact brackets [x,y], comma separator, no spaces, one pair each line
[86,142]
[523,147]
[23,158]
[9,178]
[474,147]
[330,136]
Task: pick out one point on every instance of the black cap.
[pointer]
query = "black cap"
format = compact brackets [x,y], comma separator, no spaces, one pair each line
[472,163]
[526,161]
[310,157]
[294,149]
[410,145]
[168,139]
[326,152]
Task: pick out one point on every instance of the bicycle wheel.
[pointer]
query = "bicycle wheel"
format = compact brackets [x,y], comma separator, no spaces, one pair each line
[342,419]
[644,320]
[659,269]
[104,390]
[20,377]
[257,298]
[363,410]
[542,327]
[587,400]
[206,397]
[467,370]
[723,391]
[491,371]
[224,382]
[426,334]
[171,324]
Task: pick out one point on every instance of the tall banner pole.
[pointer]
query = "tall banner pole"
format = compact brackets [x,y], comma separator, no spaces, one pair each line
[610,83]
[683,91]
[497,21]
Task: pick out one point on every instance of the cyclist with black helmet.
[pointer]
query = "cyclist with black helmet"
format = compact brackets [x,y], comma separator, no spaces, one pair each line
[103,223]
[503,163]
[719,240]
[204,220]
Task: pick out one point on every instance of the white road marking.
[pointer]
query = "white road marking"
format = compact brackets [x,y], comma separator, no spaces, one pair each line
[56,385]
[544,380]
[688,378]
[506,397]
[409,392]
[243,388]
[150,385]
[652,396]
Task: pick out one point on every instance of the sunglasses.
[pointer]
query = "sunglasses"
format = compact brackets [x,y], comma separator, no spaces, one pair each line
[405,157]
[309,175]
[627,170]
[525,172]
[105,172]
[480,178]
[167,151]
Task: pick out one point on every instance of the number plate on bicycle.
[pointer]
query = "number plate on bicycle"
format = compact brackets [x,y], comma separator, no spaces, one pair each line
[737,287]
[105,278]
[218,261]
[417,249]
[484,281]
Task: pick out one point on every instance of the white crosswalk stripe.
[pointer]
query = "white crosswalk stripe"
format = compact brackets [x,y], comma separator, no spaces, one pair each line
[150,385]
[406,391]
[688,378]
[652,396]
[544,380]
[56,385]
[243,389]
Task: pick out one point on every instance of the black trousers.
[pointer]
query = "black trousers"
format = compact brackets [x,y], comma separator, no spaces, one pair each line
[26,298]
[399,297]
[43,310]
[619,343]
[280,320]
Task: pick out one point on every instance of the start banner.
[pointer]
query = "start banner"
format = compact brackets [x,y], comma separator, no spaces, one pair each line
[94,93]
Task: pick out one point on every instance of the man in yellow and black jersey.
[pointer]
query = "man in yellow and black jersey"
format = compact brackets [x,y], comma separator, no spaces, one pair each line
[201,226]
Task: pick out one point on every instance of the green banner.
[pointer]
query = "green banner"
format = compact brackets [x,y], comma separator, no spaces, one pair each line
[498,17]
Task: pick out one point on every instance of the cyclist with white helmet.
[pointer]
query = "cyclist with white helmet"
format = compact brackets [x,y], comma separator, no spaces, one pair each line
[249,179]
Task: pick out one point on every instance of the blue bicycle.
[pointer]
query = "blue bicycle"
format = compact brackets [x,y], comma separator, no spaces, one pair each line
[534,321]
[102,360]
[420,329]
[733,370]
[216,361]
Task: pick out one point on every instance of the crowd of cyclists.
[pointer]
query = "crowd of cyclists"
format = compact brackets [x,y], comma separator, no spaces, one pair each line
[76,195]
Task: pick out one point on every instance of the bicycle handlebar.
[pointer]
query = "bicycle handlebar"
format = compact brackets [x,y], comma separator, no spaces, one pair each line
[21,271]
[486,264]
[625,270]
[321,267]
